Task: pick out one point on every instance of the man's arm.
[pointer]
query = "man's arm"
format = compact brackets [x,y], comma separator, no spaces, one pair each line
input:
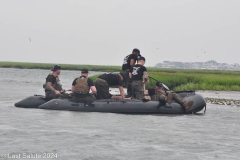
[49,87]
[92,86]
[73,85]
[121,92]
[73,88]
[145,76]
[93,89]
[130,75]
[132,62]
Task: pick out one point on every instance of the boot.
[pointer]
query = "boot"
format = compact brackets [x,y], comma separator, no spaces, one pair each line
[169,98]
[188,105]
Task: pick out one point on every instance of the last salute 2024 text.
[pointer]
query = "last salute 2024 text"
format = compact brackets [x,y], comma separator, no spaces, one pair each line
[31,155]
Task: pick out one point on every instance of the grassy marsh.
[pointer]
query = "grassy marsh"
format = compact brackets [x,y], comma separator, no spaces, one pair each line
[176,79]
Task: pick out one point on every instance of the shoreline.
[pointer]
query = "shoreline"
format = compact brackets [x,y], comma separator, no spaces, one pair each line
[175,79]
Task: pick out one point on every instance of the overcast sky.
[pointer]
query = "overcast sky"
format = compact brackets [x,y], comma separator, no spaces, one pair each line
[105,31]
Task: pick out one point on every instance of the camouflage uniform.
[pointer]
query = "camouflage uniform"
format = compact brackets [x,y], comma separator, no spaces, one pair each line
[128,82]
[138,89]
[102,89]
[162,96]
[51,95]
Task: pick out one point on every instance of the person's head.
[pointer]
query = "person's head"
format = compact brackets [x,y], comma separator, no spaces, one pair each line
[159,86]
[136,51]
[84,72]
[141,60]
[56,70]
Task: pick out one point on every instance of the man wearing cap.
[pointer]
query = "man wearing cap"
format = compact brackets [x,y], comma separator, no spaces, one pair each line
[138,74]
[108,80]
[52,90]
[129,61]
[81,87]
[163,96]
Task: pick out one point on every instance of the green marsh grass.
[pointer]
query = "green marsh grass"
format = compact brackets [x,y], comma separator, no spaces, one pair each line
[175,79]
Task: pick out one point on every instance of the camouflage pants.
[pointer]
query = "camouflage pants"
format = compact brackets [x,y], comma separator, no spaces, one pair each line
[128,82]
[175,96]
[86,99]
[51,95]
[102,89]
[138,89]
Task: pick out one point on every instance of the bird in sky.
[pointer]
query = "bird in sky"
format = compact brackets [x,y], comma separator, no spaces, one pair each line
[30,39]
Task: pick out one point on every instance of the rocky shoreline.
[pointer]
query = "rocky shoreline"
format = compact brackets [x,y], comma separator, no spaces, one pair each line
[223,101]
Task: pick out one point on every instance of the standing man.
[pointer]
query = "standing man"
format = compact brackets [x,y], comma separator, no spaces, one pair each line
[161,95]
[138,74]
[81,87]
[52,90]
[108,80]
[128,62]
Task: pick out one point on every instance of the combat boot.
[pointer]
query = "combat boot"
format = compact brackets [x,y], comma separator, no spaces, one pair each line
[188,105]
[169,98]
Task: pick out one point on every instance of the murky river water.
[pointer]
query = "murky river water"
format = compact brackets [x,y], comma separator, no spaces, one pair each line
[42,134]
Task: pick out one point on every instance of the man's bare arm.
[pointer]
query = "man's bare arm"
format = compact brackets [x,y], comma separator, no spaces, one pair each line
[93,89]
[132,62]
[121,92]
[130,75]
[49,86]
[145,76]
[73,88]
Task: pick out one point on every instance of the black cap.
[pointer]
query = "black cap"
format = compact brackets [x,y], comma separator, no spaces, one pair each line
[159,84]
[136,50]
[85,70]
[141,58]
[55,68]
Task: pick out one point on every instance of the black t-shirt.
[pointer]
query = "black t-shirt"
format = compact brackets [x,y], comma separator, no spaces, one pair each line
[127,59]
[137,72]
[51,78]
[112,79]
[90,82]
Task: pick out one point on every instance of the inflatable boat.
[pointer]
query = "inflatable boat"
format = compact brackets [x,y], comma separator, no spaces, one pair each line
[117,106]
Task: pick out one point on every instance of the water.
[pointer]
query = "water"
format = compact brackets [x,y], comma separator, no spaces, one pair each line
[106,136]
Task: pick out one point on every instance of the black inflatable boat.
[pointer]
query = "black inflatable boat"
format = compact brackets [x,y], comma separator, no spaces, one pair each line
[117,106]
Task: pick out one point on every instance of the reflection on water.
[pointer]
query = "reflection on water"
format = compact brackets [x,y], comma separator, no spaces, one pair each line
[76,135]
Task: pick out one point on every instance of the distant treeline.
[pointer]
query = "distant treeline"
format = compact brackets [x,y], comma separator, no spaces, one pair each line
[175,79]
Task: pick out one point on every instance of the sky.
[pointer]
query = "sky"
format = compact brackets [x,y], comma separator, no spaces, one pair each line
[103,32]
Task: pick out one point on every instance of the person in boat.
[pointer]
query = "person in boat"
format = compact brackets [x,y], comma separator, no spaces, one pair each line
[138,74]
[81,87]
[52,89]
[167,97]
[107,80]
[129,61]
